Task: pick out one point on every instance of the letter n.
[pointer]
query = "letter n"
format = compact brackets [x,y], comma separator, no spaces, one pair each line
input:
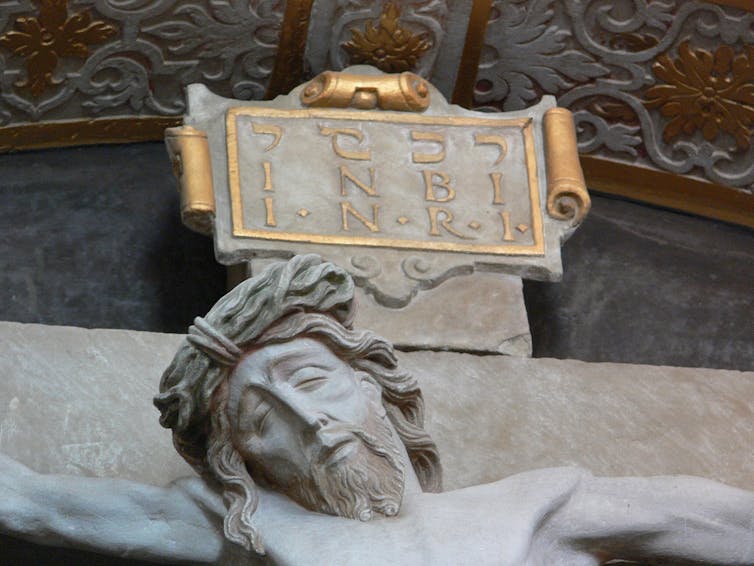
[345,173]
[347,208]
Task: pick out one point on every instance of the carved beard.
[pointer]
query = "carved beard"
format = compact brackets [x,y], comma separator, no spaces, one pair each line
[368,480]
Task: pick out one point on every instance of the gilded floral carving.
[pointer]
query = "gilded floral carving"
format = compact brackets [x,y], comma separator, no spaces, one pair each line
[617,64]
[388,46]
[42,40]
[703,91]
[637,95]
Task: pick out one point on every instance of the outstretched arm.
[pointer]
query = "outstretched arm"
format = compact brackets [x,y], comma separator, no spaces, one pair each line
[114,516]
[673,518]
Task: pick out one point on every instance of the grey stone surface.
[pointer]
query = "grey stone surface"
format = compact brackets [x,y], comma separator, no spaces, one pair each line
[440,319]
[78,401]
[491,416]
[442,24]
[580,414]
[154,50]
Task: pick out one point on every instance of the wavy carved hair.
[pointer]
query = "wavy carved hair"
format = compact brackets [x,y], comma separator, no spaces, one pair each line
[364,351]
[304,297]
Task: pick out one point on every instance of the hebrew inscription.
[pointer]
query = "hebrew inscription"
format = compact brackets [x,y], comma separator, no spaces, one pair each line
[389,180]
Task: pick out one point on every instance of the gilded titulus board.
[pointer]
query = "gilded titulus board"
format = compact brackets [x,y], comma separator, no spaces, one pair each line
[382,179]
[379,173]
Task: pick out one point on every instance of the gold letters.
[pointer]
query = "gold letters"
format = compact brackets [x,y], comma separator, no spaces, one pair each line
[335,132]
[269,129]
[507,235]
[483,139]
[346,208]
[270,213]
[402,182]
[497,193]
[428,157]
[267,176]
[435,223]
[430,183]
[345,173]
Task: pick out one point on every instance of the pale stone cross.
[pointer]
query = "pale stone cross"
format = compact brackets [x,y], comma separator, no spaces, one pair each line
[309,441]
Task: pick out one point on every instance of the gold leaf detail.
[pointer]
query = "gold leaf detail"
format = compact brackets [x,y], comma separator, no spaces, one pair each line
[390,47]
[713,93]
[43,39]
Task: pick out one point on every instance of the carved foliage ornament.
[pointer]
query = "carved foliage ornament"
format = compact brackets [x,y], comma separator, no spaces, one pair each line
[130,57]
[389,46]
[656,83]
[54,34]
[713,93]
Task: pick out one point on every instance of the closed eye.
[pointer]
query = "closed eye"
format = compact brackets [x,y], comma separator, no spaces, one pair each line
[262,420]
[311,383]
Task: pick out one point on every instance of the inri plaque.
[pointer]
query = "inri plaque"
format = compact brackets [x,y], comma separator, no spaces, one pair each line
[380,174]
[384,179]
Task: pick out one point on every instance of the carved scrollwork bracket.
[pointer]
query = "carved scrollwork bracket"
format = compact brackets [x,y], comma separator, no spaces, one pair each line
[404,92]
[189,154]
[567,197]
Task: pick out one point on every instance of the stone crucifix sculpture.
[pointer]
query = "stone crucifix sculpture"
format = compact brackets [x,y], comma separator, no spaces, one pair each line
[308,440]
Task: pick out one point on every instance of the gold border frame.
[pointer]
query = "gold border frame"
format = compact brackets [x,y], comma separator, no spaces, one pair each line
[234,182]
[668,190]
[746,5]
[66,133]
[288,70]
[463,90]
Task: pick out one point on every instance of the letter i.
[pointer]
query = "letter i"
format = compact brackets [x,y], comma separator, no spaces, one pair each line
[270,213]
[267,176]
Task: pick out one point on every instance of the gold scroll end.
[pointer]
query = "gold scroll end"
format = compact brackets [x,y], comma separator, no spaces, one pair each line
[189,154]
[567,197]
[405,92]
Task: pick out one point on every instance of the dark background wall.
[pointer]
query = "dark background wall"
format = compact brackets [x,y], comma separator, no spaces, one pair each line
[644,285]
[91,237]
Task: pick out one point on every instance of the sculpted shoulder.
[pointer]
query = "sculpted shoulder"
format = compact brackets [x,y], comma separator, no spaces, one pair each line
[493,523]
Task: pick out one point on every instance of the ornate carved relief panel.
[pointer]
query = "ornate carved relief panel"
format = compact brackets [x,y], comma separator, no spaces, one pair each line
[657,85]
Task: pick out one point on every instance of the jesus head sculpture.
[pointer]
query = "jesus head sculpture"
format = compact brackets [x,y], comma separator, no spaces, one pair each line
[273,387]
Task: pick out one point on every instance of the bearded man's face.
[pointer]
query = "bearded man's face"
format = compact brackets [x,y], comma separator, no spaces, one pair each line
[311,427]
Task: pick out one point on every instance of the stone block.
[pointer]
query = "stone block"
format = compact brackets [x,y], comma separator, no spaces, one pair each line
[438,320]
[78,401]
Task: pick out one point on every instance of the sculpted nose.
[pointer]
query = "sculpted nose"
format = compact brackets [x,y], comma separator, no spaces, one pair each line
[311,421]
[307,418]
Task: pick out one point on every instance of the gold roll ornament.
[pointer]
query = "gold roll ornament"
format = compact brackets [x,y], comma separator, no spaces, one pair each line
[567,197]
[189,154]
[404,92]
